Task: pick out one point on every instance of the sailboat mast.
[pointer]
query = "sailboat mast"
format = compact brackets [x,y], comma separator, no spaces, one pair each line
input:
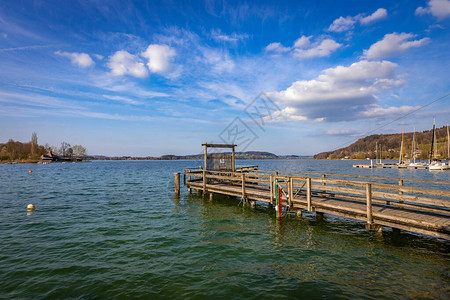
[376,151]
[432,140]
[413,150]
[381,152]
[400,159]
[435,144]
[448,144]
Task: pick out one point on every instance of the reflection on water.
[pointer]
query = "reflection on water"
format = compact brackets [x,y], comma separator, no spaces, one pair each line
[108,229]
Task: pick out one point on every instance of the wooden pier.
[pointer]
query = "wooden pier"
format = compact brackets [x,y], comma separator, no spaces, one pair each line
[399,203]
[375,200]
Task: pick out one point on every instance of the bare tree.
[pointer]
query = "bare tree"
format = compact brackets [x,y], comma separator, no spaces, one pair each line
[34,143]
[63,149]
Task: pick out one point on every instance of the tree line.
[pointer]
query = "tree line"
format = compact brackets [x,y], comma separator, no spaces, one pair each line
[15,150]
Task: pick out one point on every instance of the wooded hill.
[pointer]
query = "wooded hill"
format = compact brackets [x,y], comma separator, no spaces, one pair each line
[390,146]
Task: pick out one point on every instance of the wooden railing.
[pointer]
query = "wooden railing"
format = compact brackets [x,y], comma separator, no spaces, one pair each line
[301,189]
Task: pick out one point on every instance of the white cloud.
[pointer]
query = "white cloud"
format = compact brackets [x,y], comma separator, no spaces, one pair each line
[338,94]
[98,56]
[83,60]
[393,44]
[218,36]
[124,63]
[304,48]
[277,48]
[376,111]
[379,14]
[340,132]
[303,42]
[220,60]
[159,58]
[342,24]
[317,49]
[438,8]
[126,100]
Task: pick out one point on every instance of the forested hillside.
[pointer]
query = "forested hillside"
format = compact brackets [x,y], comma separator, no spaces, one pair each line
[390,146]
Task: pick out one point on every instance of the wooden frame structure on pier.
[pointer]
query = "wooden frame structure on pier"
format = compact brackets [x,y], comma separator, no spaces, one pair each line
[220,161]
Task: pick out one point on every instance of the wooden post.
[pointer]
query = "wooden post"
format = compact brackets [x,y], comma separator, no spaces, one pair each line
[233,165]
[243,186]
[211,196]
[204,182]
[323,183]
[308,192]
[271,189]
[177,183]
[369,204]
[206,157]
[400,183]
[291,190]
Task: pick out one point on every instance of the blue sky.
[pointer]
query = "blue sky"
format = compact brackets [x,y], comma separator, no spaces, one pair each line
[157,77]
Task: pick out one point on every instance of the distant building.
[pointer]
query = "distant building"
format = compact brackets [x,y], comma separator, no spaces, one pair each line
[50,156]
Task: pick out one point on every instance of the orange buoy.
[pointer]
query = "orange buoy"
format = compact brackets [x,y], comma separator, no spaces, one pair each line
[31,207]
[31,171]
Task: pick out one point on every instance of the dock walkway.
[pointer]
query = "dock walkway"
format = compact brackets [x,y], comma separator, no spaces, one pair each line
[378,201]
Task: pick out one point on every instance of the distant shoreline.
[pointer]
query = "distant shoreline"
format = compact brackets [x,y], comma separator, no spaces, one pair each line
[34,161]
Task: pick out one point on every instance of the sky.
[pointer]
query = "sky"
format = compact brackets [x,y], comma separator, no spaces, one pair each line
[147,78]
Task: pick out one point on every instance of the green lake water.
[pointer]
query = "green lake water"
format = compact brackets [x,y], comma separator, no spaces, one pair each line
[114,230]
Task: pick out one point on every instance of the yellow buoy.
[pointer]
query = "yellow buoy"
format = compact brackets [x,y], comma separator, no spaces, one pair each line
[30,207]
[31,171]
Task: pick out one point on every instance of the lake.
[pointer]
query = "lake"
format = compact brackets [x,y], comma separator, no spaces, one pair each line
[113,229]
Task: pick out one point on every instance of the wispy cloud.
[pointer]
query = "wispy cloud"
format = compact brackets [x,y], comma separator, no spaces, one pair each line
[219,36]
[340,132]
[304,48]
[376,111]
[277,48]
[28,99]
[13,29]
[342,24]
[122,99]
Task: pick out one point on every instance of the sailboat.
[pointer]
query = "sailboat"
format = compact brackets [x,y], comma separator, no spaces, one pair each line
[436,164]
[401,163]
[413,153]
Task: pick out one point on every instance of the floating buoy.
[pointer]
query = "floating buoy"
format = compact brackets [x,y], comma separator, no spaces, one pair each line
[30,207]
[31,171]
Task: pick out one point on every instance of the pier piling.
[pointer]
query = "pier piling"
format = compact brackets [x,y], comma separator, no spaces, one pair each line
[177,183]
